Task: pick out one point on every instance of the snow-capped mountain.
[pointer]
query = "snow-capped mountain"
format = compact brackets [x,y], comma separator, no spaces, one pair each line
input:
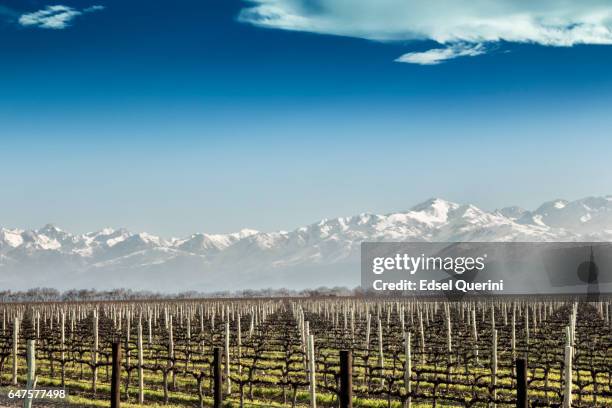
[324,253]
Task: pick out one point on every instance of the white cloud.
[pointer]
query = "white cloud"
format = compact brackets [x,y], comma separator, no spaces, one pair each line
[461,25]
[54,17]
[91,9]
[438,55]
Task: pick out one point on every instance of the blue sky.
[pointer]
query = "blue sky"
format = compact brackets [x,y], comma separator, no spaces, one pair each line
[201,116]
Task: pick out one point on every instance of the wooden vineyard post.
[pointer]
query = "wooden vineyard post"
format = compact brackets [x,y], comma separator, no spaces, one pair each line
[150,330]
[94,355]
[140,364]
[305,334]
[63,346]
[494,367]
[227,357]
[352,324]
[505,311]
[31,378]
[311,372]
[128,361]
[449,338]
[128,329]
[408,372]
[422,333]
[368,329]
[521,383]
[381,357]
[475,335]
[170,353]
[218,378]
[72,317]
[187,360]
[15,347]
[567,394]
[346,379]
[116,375]
[239,344]
[527,328]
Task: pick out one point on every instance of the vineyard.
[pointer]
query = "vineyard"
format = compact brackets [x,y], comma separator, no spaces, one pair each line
[404,352]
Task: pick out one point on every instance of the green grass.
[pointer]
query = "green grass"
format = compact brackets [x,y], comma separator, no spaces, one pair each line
[80,394]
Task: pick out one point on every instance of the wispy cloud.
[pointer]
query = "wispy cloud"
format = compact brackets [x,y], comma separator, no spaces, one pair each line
[463,26]
[437,55]
[93,8]
[55,17]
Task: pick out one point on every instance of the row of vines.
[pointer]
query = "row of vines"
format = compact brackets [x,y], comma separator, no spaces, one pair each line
[285,352]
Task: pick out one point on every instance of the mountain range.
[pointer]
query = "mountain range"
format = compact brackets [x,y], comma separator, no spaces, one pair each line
[325,253]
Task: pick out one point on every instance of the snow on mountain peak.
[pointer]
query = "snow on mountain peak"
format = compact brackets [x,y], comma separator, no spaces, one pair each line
[12,237]
[433,211]
[244,233]
[326,242]
[35,241]
[105,231]
[148,238]
[200,243]
[513,212]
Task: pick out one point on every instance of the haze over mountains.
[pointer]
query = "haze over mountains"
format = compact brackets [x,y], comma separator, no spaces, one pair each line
[325,253]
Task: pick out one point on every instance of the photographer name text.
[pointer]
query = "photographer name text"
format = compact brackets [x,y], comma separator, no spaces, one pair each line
[437,286]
